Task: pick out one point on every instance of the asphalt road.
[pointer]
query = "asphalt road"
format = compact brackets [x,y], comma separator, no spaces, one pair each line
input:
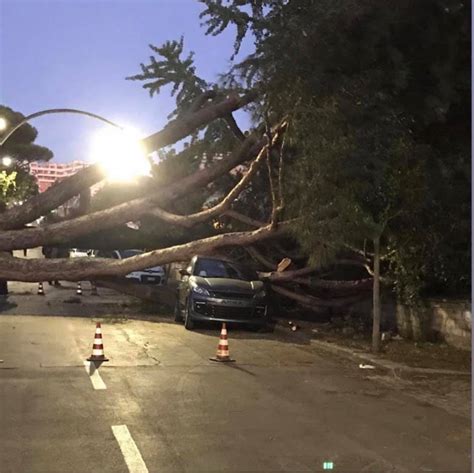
[167,408]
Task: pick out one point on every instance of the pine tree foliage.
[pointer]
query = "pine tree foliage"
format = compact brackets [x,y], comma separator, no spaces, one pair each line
[22,149]
[222,14]
[168,68]
[379,105]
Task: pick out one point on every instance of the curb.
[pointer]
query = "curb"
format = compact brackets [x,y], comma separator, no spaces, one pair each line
[366,357]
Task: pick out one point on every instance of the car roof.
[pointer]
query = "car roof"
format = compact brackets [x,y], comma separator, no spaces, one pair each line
[217,258]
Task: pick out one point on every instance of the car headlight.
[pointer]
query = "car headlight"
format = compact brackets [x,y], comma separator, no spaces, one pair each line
[201,290]
[261,294]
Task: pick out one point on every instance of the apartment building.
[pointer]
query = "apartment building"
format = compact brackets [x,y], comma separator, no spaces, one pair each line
[47,174]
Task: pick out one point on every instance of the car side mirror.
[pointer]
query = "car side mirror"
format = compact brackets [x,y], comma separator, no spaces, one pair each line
[183,272]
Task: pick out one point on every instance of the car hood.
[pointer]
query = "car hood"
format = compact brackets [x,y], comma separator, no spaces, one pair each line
[228,285]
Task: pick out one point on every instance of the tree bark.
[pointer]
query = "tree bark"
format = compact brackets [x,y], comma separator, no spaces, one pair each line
[234,128]
[161,294]
[376,298]
[257,256]
[189,221]
[64,231]
[40,204]
[185,125]
[77,269]
[251,222]
[171,133]
[311,301]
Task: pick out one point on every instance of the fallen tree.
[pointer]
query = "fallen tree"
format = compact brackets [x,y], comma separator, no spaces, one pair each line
[252,150]
[14,236]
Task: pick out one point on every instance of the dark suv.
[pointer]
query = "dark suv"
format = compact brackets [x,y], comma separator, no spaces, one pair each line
[215,289]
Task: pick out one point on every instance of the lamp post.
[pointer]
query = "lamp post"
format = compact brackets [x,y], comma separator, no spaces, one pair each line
[3,122]
[7,161]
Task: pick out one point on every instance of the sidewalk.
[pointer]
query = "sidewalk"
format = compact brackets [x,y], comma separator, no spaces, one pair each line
[434,374]
[396,356]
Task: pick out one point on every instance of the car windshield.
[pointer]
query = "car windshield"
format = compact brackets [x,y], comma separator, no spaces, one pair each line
[130,253]
[213,268]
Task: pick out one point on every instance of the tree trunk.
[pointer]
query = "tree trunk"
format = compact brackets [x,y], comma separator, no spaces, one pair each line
[376,298]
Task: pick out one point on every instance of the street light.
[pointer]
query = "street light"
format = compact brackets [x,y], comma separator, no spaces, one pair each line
[7,161]
[3,124]
[121,154]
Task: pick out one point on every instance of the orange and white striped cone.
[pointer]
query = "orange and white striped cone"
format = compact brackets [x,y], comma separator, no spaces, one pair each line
[98,347]
[40,289]
[222,354]
[79,289]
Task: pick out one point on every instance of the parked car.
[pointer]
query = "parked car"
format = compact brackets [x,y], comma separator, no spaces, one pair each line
[80,253]
[216,289]
[154,275]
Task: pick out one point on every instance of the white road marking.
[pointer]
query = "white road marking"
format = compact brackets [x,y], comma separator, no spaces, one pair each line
[94,375]
[129,449]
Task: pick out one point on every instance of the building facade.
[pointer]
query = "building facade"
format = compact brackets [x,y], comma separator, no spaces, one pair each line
[47,174]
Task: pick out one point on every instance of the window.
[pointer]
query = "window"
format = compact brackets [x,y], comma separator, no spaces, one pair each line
[213,268]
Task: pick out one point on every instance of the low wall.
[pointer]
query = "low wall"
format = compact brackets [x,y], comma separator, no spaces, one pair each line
[445,320]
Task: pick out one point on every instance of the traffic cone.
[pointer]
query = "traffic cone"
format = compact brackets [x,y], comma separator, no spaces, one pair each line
[40,289]
[223,347]
[94,289]
[79,289]
[97,347]
[293,326]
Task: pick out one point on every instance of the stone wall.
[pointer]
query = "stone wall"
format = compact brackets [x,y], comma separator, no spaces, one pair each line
[436,320]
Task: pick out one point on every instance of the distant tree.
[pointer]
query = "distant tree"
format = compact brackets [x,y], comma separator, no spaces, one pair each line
[22,150]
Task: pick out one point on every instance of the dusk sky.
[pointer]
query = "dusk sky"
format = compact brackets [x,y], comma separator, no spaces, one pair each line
[77,53]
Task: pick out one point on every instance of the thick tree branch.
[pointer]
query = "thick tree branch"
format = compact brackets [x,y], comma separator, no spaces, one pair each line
[288,275]
[273,218]
[52,198]
[190,220]
[33,270]
[202,100]
[312,301]
[185,125]
[360,284]
[257,256]
[65,231]
[281,203]
[234,128]
[69,187]
[244,219]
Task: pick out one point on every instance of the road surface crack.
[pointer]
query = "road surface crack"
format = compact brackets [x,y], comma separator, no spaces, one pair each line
[143,348]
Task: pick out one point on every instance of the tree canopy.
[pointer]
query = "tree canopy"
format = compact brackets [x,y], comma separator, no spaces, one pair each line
[16,183]
[378,100]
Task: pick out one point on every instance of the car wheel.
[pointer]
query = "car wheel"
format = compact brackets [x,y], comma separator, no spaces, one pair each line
[178,316]
[188,321]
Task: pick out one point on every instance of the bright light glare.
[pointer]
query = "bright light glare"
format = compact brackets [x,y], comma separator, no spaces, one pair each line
[120,153]
[3,124]
[7,161]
